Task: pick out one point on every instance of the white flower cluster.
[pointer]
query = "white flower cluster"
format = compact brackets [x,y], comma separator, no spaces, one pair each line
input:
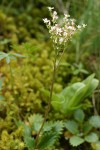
[60,33]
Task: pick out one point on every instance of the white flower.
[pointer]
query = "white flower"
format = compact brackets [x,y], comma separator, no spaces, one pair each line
[50,8]
[84,25]
[70,27]
[79,27]
[53,28]
[54,16]
[72,20]
[61,40]
[61,32]
[65,34]
[46,20]
[66,16]
[55,13]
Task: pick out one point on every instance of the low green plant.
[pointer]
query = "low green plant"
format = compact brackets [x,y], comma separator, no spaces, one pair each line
[9,56]
[71,97]
[80,130]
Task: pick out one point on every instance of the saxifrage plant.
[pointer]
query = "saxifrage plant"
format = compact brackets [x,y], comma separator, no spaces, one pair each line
[60,33]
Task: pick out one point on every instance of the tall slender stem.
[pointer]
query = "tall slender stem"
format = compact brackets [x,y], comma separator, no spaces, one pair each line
[49,103]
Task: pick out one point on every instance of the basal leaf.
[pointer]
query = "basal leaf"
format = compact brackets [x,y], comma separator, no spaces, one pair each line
[57,100]
[95,121]
[87,127]
[79,115]
[66,96]
[71,97]
[72,126]
[91,84]
[76,140]
[91,138]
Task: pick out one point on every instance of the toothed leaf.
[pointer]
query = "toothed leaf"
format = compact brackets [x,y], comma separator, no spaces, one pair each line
[29,142]
[47,140]
[36,121]
[95,121]
[91,138]
[76,140]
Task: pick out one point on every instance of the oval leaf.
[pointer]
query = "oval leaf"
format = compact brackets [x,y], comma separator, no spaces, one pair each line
[79,115]
[91,138]
[95,121]
[76,140]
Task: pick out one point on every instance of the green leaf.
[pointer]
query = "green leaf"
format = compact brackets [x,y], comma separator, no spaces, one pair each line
[87,127]
[56,126]
[2,57]
[17,55]
[57,99]
[71,97]
[91,83]
[72,126]
[79,115]
[5,41]
[95,121]
[76,140]
[29,142]
[9,56]
[91,138]
[27,129]
[47,140]
[66,98]
[81,92]
[36,121]
[8,59]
